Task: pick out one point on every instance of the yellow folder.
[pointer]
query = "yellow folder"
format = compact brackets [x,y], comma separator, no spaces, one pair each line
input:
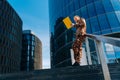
[67,22]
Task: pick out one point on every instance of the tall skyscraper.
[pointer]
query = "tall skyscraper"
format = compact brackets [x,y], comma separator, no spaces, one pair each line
[102,18]
[31,58]
[10,38]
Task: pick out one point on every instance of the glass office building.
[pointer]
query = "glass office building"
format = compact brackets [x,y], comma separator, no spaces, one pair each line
[31,58]
[102,18]
[10,38]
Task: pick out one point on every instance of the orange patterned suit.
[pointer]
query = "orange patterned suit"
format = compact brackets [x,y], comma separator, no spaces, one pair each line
[80,37]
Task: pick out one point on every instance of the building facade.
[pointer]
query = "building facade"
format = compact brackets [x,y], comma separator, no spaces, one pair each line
[31,58]
[102,18]
[10,38]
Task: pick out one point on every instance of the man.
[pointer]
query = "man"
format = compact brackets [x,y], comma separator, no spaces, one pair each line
[80,26]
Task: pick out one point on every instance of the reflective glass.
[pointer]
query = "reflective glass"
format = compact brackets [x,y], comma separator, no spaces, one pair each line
[76,4]
[103,22]
[88,27]
[91,43]
[117,54]
[82,3]
[116,4]
[89,1]
[91,10]
[107,5]
[94,24]
[118,15]
[116,48]
[110,54]
[99,7]
[84,12]
[112,18]
[109,47]
[72,8]
[78,13]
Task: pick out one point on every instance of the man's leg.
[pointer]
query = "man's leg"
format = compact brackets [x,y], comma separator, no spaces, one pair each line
[75,48]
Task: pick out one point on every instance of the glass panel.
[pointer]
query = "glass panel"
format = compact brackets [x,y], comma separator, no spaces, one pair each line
[76,4]
[71,8]
[107,5]
[27,58]
[88,27]
[103,22]
[84,12]
[118,15]
[116,48]
[117,54]
[113,20]
[110,54]
[94,24]
[28,37]
[99,7]
[89,1]
[82,3]
[33,38]
[91,10]
[116,4]
[78,13]
[32,53]
[109,47]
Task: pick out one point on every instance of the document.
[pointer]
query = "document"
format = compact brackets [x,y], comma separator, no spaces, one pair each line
[67,22]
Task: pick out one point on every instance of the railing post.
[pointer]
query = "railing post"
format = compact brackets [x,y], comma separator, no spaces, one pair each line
[72,56]
[88,51]
[105,69]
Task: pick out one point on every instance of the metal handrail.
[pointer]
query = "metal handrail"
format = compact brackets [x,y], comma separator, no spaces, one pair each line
[99,43]
[106,39]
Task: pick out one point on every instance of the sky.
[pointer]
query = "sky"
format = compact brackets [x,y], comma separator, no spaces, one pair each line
[35,17]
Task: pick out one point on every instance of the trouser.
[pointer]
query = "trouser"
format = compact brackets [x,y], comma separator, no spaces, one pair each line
[77,48]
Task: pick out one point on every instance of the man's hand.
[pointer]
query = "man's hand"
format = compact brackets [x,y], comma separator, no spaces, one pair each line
[72,24]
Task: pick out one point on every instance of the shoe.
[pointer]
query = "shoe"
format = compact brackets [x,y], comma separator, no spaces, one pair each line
[76,64]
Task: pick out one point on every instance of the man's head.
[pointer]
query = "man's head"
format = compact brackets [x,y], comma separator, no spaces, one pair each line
[76,18]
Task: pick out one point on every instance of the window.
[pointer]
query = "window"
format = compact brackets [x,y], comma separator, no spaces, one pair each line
[72,8]
[89,1]
[32,53]
[107,5]
[116,4]
[109,47]
[117,48]
[82,3]
[33,48]
[118,15]
[27,58]
[94,24]
[117,54]
[113,20]
[78,13]
[84,12]
[28,37]
[92,45]
[99,7]
[110,55]
[28,47]
[88,27]
[33,38]
[91,10]
[76,4]
[103,22]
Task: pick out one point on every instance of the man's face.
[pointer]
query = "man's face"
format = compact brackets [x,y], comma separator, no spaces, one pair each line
[76,19]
